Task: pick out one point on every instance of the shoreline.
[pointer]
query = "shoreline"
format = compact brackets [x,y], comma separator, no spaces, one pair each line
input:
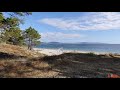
[51,52]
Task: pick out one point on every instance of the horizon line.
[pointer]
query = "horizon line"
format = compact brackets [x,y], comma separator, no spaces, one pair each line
[79,42]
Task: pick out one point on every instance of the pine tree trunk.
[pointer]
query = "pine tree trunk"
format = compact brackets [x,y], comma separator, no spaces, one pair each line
[29,44]
[30,47]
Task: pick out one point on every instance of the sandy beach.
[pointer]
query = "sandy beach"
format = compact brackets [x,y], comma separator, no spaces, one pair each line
[51,52]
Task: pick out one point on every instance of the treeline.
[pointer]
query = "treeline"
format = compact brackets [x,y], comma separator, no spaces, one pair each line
[11,33]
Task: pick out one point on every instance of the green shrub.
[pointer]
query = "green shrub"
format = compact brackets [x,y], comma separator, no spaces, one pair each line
[91,54]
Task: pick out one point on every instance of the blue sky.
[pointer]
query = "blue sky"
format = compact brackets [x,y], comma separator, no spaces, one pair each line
[76,26]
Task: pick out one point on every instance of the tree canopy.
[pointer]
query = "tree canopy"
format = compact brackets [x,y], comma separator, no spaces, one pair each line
[9,27]
[32,37]
[11,33]
[12,19]
[13,36]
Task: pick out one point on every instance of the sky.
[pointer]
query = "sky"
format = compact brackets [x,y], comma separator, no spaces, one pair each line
[74,27]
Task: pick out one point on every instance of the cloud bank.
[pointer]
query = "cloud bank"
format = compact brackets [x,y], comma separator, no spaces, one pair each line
[90,21]
[58,36]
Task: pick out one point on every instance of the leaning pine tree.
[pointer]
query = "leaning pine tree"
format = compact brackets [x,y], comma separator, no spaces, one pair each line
[31,37]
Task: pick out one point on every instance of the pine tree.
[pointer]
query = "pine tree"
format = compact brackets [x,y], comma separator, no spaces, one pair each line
[32,37]
[13,36]
[9,27]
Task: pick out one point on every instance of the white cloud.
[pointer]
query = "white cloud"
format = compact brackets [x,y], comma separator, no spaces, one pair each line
[58,36]
[91,21]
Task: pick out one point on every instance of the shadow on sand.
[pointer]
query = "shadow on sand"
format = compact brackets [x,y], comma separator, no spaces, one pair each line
[67,65]
[78,65]
[9,56]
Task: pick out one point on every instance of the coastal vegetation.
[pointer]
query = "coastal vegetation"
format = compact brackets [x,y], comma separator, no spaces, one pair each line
[18,59]
[11,33]
[32,37]
[19,62]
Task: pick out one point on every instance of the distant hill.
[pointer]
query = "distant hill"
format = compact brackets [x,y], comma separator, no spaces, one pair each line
[51,42]
[91,43]
[54,42]
[73,43]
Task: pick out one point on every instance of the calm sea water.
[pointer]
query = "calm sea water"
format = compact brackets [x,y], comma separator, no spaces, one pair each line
[108,48]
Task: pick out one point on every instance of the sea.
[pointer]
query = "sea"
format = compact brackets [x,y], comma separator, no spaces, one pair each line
[101,48]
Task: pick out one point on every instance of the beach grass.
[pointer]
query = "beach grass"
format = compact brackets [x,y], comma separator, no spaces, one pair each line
[17,62]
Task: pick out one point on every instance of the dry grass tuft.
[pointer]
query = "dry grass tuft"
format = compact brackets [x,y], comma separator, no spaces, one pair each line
[18,51]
